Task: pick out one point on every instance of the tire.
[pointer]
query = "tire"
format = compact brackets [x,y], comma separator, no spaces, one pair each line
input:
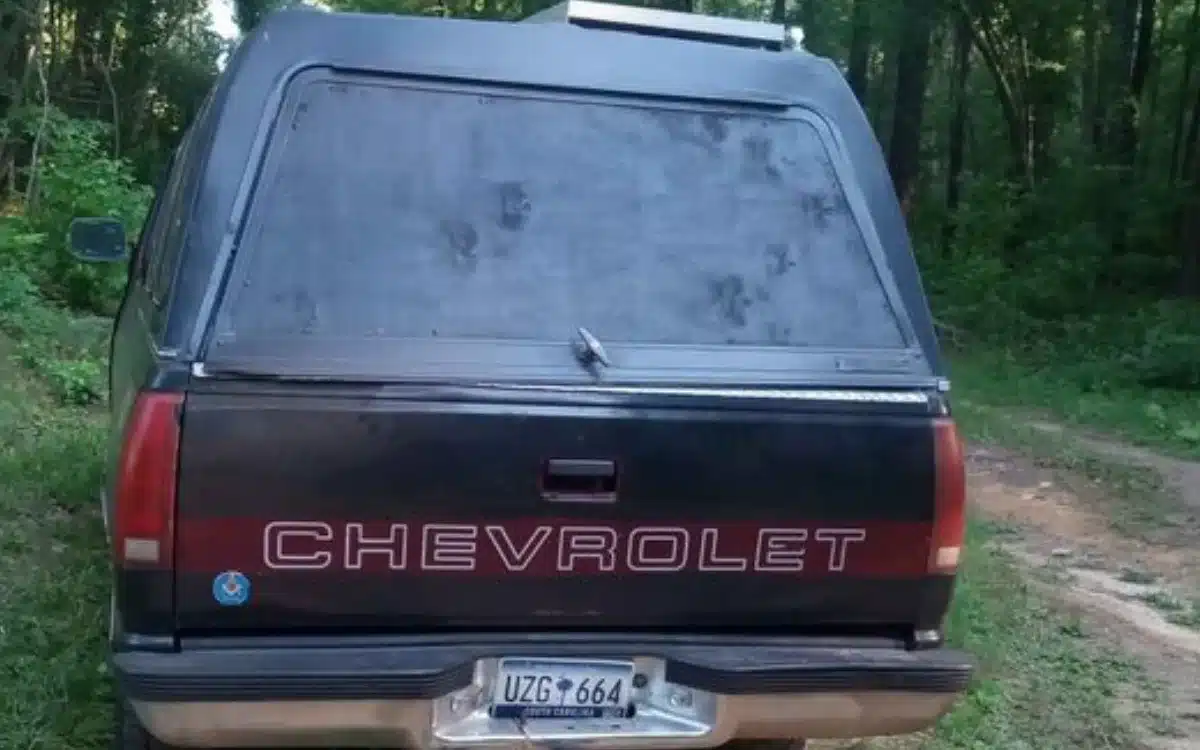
[129,734]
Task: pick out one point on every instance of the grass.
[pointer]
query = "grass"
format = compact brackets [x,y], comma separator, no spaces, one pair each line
[1187,616]
[66,351]
[1138,577]
[53,579]
[1175,609]
[1163,419]
[1042,684]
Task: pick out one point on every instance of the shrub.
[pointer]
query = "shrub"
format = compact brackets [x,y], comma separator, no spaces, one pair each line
[76,177]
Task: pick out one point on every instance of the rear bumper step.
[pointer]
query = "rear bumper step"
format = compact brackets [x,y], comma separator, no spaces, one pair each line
[700,694]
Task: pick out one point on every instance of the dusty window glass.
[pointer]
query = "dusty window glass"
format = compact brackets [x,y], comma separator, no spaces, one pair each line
[389,211]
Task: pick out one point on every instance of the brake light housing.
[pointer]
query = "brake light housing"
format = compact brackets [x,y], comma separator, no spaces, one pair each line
[144,501]
[950,499]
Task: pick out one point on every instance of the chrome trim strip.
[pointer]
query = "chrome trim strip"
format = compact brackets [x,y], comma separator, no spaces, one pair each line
[837,395]
[789,394]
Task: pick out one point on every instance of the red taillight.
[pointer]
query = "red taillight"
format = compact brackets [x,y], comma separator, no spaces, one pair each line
[144,517]
[950,499]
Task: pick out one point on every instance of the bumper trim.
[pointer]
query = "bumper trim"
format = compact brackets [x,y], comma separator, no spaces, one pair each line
[733,666]
[822,670]
[406,724]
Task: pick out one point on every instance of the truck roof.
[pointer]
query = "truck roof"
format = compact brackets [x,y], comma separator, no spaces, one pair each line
[234,126]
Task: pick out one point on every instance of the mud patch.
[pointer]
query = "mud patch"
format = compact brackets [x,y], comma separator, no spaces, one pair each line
[1068,514]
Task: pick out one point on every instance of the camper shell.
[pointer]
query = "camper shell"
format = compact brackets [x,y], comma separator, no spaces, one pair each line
[223,153]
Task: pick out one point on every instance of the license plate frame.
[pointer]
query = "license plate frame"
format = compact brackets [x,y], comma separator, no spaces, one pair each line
[535,688]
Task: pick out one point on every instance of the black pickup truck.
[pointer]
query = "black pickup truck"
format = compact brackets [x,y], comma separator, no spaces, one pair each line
[563,383]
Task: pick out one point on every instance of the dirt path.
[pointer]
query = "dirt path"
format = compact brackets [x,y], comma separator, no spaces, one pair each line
[1140,596]
[1183,477]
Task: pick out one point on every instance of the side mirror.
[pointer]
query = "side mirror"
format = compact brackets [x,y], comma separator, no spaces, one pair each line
[98,240]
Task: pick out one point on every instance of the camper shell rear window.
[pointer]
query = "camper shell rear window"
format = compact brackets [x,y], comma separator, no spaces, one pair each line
[389,211]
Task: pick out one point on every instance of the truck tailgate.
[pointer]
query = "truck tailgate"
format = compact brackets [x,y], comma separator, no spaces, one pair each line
[317,508]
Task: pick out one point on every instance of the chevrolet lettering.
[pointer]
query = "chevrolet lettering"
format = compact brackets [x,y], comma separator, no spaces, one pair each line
[561,383]
[544,549]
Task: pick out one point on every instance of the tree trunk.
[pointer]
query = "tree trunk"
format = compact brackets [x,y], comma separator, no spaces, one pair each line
[80,65]
[860,49]
[956,140]
[1153,95]
[1192,42]
[1118,77]
[1143,61]
[1188,220]
[912,67]
[779,13]
[1132,55]
[1045,93]
[882,82]
[1011,107]
[1144,52]
[1189,246]
[14,55]
[1193,134]
[813,38]
[1091,121]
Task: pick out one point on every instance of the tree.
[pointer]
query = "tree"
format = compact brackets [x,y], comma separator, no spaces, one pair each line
[912,65]
[859,49]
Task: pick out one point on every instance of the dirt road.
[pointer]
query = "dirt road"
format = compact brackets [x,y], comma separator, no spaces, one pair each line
[1138,591]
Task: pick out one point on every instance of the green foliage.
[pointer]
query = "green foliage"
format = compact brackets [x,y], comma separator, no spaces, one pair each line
[1166,419]
[74,382]
[18,292]
[53,571]
[76,177]
[67,353]
[65,350]
[1040,685]
[38,273]
[1033,275]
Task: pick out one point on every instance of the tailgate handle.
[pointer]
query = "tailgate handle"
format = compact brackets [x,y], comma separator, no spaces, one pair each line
[579,480]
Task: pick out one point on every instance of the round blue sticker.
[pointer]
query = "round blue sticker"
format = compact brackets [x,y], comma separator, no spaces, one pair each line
[231,589]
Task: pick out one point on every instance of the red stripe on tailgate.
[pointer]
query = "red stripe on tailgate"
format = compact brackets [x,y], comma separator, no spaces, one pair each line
[554,547]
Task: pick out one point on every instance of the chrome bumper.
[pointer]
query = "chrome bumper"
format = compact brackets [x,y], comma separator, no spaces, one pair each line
[409,724]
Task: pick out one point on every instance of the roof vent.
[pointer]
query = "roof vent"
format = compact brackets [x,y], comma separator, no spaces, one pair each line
[668,23]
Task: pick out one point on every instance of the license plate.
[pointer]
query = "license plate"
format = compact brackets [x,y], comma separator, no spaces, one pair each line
[562,689]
